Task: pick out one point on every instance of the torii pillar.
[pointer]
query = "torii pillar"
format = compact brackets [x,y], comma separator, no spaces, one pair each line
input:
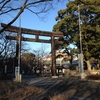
[53,68]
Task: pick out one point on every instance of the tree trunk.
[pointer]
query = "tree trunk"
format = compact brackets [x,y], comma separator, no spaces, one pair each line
[88,65]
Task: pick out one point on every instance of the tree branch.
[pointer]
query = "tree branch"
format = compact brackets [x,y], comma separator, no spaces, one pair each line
[21,10]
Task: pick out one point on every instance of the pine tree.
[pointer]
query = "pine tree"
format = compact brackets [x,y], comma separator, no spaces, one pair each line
[68,23]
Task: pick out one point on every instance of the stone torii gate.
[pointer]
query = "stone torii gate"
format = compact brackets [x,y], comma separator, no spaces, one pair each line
[37,33]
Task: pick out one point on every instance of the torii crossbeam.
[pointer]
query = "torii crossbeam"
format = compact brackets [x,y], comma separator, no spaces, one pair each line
[37,33]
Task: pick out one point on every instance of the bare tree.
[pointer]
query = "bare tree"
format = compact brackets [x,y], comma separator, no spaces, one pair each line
[8,49]
[40,53]
[19,6]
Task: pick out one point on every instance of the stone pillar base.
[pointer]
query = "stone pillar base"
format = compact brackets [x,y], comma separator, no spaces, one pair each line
[18,78]
[83,75]
[54,76]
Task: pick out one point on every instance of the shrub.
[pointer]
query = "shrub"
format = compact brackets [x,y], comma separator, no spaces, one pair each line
[93,77]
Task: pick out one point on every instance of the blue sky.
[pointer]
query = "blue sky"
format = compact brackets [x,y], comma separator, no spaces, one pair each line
[31,21]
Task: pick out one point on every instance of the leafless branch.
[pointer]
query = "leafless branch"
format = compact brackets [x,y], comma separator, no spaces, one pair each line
[5,7]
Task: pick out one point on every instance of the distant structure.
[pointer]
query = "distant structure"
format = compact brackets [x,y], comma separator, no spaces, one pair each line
[61,59]
[62,63]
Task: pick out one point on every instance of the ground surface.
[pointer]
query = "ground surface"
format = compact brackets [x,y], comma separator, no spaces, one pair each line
[73,87]
[45,88]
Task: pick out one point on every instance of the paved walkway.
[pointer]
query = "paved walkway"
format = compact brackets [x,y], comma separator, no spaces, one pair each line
[74,88]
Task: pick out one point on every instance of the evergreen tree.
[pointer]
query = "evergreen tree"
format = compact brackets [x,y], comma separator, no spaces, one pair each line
[68,23]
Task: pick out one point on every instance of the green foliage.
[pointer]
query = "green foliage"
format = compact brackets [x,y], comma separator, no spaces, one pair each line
[68,23]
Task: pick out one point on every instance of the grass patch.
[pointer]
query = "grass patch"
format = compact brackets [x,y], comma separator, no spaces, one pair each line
[21,91]
[18,91]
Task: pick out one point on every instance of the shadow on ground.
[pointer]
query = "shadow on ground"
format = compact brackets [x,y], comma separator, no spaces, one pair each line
[73,88]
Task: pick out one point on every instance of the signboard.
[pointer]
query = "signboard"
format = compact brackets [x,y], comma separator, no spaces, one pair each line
[16,70]
[5,68]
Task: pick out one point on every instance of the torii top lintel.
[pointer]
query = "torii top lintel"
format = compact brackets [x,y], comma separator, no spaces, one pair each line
[32,32]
